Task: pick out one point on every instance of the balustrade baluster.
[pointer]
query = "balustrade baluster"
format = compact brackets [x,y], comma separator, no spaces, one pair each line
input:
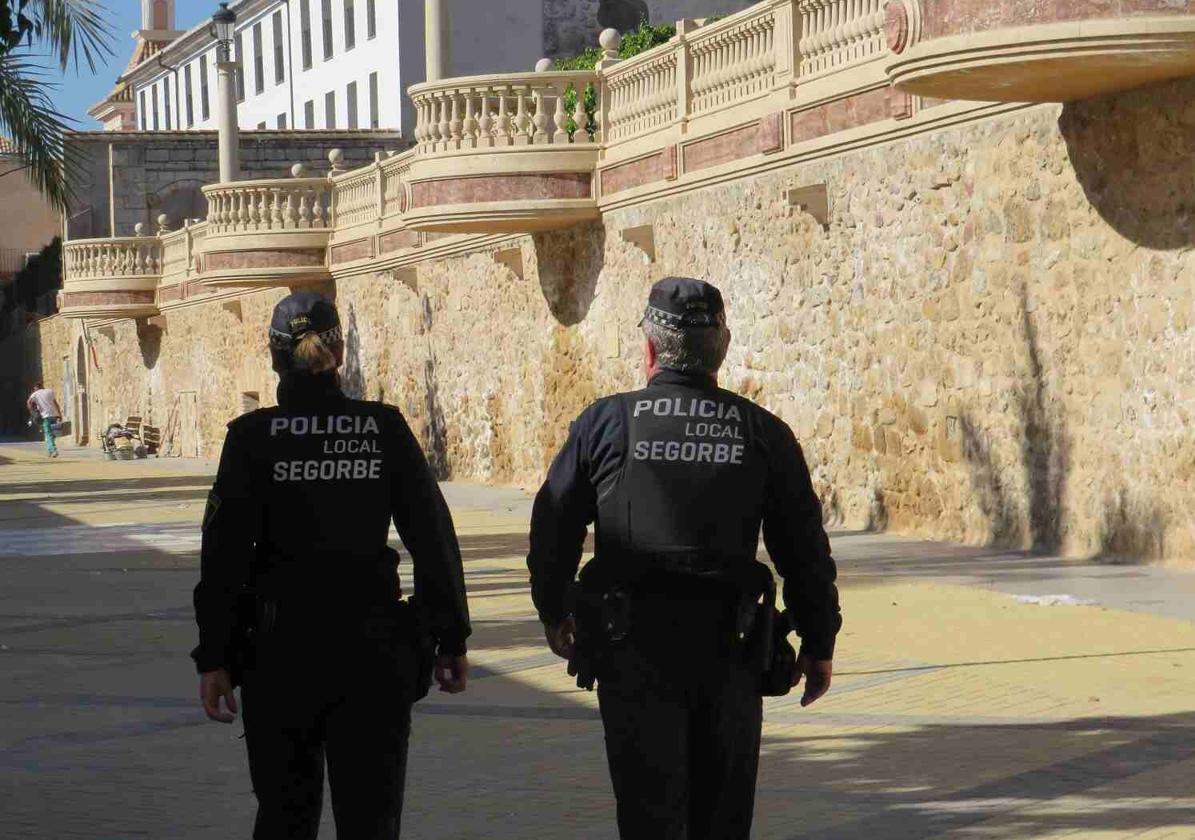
[559,116]
[522,120]
[317,211]
[485,125]
[504,132]
[469,124]
[456,123]
[444,126]
[541,116]
[580,118]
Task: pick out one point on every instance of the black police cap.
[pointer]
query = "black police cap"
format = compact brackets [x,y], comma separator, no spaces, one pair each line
[680,303]
[300,313]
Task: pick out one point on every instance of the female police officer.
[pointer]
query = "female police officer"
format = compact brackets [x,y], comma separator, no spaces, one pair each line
[294,536]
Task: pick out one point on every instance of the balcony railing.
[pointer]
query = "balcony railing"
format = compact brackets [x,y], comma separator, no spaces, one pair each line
[261,206]
[524,152]
[111,278]
[267,233]
[513,109]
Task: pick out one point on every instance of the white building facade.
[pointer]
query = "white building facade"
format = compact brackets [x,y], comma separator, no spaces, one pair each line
[326,64]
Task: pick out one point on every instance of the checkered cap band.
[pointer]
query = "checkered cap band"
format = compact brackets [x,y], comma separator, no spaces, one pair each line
[680,322]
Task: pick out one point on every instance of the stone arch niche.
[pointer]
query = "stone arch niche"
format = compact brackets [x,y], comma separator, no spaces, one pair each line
[81,420]
[179,200]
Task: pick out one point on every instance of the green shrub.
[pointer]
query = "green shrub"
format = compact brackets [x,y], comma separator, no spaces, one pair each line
[633,43]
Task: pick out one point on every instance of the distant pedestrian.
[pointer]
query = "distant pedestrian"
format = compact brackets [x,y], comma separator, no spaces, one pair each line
[45,404]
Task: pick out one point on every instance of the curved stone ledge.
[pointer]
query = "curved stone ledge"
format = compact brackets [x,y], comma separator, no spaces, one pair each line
[110,278]
[264,259]
[109,304]
[517,189]
[507,203]
[1001,58]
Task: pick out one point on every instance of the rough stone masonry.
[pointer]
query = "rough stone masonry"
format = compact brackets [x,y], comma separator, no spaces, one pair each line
[991,341]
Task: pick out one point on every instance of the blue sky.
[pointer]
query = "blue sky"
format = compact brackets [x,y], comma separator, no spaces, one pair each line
[79,91]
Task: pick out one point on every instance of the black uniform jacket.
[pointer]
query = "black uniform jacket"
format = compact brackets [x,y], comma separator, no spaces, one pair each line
[301,510]
[679,468]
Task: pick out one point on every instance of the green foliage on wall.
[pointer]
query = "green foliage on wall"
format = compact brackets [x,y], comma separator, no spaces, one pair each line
[633,43]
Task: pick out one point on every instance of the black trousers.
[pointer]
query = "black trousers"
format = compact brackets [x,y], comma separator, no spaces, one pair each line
[334,691]
[683,716]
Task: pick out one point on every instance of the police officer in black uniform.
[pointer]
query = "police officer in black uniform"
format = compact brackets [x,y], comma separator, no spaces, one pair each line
[299,596]
[679,478]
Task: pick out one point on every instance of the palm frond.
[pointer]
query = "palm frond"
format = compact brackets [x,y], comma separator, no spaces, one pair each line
[35,128]
[71,28]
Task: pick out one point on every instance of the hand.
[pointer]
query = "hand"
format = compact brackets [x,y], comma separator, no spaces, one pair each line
[451,673]
[562,638]
[212,686]
[817,674]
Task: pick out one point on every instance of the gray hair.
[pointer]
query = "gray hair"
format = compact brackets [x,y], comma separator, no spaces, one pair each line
[697,350]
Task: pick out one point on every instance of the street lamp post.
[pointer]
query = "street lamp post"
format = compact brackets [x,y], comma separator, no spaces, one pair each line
[224,29]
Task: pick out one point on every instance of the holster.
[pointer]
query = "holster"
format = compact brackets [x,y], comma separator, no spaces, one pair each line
[424,643]
[763,630]
[603,618]
[776,680]
[244,635]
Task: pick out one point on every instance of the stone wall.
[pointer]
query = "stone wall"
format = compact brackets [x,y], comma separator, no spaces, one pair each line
[571,26]
[132,177]
[41,352]
[991,341]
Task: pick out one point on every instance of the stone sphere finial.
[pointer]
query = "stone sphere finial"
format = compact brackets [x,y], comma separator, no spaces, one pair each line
[297,170]
[139,229]
[163,221]
[336,158]
[544,65]
[610,40]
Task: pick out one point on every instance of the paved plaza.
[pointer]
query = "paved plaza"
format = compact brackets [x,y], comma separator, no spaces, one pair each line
[958,710]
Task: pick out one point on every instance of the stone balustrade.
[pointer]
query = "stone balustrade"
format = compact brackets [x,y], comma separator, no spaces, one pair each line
[510,109]
[525,152]
[1008,51]
[267,233]
[110,278]
[266,205]
[733,60]
[838,33]
[642,96]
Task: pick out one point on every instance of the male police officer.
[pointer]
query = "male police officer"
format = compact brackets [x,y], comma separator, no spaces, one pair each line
[679,478]
[296,527]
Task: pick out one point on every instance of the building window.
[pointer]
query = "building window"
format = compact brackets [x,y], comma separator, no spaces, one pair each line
[351,103]
[190,97]
[373,100]
[327,13]
[330,109]
[281,121]
[371,20]
[166,100]
[350,25]
[309,114]
[279,61]
[144,114]
[305,29]
[259,68]
[204,111]
[240,74]
[153,98]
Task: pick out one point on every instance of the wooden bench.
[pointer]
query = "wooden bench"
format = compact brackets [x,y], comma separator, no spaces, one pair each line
[151,436]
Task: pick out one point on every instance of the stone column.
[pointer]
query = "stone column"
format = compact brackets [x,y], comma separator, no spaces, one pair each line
[226,118]
[435,20]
